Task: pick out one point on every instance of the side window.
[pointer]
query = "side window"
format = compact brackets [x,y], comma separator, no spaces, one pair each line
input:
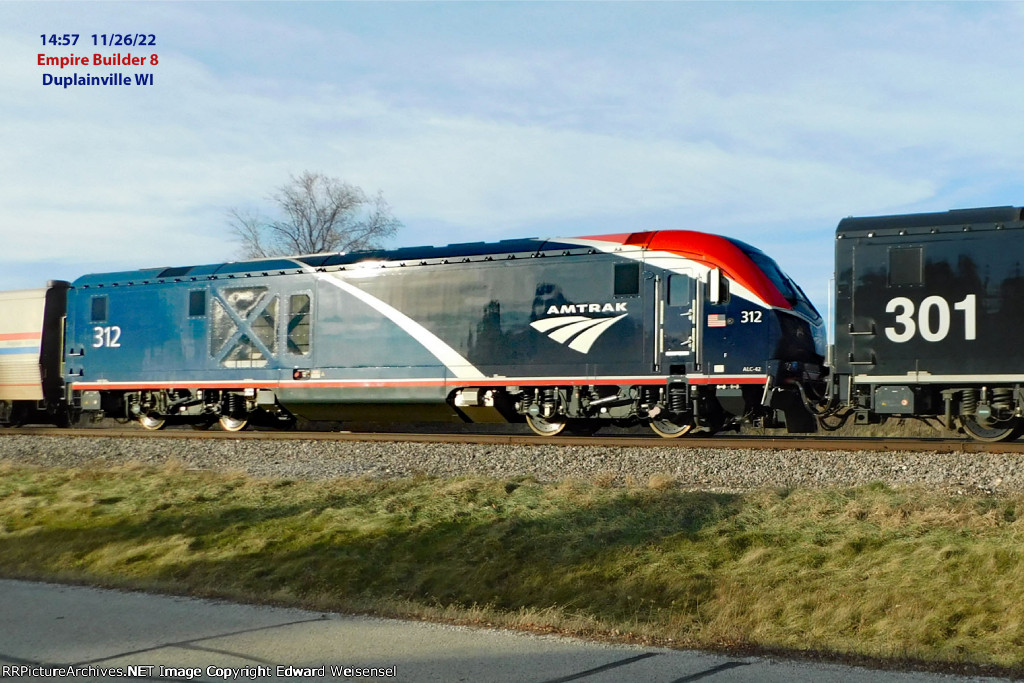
[680,290]
[627,279]
[98,312]
[906,266]
[299,324]
[197,303]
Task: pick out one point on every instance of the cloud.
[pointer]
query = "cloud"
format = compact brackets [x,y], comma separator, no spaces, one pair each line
[505,176]
[494,121]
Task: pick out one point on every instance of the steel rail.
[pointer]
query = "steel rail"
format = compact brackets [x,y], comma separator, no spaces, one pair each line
[779,443]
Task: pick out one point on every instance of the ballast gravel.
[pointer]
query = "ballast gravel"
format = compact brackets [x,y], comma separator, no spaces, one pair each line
[691,468]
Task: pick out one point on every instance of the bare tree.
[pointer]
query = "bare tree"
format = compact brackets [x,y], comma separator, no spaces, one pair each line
[320,214]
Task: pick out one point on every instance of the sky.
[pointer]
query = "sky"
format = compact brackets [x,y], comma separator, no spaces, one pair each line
[763,121]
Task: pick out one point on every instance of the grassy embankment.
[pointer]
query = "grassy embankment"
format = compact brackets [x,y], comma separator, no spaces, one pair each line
[905,574]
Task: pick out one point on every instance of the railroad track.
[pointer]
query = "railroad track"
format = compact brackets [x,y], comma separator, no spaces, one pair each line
[750,441]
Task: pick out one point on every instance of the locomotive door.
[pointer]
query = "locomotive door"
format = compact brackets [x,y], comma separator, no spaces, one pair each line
[678,338]
[862,314]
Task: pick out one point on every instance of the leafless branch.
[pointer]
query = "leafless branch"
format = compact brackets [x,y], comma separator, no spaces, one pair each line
[319,214]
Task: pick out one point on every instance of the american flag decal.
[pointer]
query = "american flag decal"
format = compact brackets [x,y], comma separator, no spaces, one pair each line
[716,320]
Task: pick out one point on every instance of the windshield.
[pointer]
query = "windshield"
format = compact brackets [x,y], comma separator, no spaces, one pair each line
[789,289]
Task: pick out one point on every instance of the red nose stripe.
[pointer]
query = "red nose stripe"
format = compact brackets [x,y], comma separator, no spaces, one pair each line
[711,249]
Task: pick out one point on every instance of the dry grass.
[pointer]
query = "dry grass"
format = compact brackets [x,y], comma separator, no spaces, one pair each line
[868,571]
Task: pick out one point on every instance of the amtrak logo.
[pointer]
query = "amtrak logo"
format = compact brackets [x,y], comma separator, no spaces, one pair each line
[583,331]
[565,309]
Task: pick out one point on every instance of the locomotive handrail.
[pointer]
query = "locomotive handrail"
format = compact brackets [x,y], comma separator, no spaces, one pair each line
[871,332]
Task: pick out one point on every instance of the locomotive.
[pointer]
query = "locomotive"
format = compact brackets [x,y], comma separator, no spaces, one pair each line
[929,308]
[684,331]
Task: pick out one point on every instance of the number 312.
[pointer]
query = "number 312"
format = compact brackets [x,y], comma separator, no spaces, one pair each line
[109,337]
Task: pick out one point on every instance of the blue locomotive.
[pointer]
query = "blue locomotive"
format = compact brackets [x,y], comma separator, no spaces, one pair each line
[685,331]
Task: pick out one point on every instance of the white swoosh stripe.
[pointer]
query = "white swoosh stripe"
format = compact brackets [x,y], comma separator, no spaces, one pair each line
[452,359]
[663,259]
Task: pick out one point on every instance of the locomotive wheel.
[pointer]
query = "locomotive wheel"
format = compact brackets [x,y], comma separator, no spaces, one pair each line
[1004,430]
[545,427]
[669,429]
[66,417]
[152,422]
[232,424]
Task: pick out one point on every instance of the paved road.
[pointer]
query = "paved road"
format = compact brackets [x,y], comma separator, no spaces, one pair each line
[178,639]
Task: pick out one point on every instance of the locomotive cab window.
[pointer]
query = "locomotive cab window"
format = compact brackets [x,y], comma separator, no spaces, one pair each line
[680,291]
[906,266]
[627,279]
[98,314]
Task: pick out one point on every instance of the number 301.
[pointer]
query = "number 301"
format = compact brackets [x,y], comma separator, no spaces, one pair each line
[932,318]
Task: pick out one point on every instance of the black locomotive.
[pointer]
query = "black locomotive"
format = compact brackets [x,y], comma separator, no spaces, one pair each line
[929,314]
